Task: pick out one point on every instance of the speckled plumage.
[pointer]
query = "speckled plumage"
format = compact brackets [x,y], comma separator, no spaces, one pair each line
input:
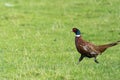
[87,49]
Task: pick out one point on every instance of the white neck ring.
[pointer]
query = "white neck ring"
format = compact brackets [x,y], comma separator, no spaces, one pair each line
[77,35]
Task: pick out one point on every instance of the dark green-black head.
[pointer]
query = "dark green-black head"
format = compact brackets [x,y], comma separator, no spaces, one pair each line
[76,31]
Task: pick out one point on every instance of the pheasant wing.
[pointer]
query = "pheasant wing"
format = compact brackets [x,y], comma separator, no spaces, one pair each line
[90,49]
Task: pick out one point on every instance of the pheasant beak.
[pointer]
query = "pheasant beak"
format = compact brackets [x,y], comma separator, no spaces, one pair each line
[71,31]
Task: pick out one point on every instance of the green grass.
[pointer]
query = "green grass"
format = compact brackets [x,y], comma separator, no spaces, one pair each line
[36,42]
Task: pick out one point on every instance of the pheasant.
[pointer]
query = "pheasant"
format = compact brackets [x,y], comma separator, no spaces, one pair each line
[87,49]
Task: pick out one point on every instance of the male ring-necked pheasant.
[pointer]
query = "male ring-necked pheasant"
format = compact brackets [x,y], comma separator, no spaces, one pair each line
[87,49]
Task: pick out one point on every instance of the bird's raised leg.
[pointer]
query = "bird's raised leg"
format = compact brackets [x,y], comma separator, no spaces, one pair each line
[95,60]
[80,59]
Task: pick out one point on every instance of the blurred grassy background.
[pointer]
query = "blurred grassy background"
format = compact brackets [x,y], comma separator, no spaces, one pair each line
[36,42]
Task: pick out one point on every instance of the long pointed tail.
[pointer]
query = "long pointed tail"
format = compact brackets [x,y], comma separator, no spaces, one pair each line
[113,44]
[102,48]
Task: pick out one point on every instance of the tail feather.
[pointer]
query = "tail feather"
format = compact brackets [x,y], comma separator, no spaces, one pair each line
[102,48]
[113,44]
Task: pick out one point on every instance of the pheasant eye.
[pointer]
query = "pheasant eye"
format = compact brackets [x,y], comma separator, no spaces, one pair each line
[74,30]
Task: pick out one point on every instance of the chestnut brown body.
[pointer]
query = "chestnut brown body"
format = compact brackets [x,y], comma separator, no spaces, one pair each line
[87,49]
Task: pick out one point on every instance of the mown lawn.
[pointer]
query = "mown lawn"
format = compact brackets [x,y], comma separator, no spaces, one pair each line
[36,42]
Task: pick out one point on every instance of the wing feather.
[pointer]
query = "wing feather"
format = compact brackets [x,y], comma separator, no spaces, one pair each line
[90,49]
